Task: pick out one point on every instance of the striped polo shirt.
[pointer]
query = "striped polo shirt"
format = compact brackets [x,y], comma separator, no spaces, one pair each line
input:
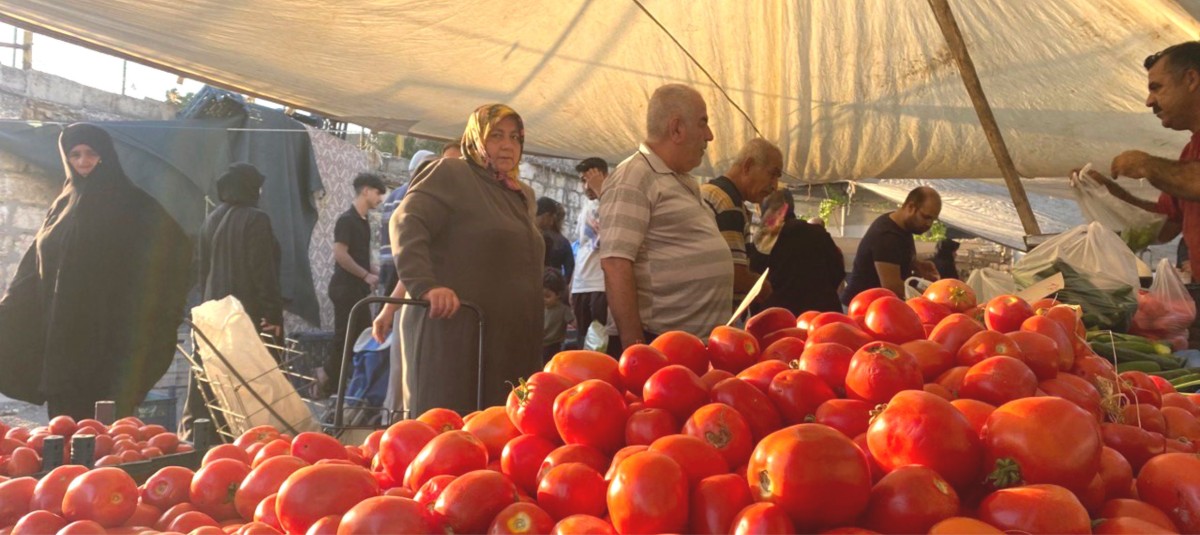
[682,266]
[726,203]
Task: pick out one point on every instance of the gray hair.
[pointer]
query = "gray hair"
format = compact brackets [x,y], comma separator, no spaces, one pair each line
[759,150]
[668,102]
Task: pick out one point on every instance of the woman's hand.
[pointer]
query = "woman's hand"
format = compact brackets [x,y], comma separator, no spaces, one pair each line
[443,302]
[382,326]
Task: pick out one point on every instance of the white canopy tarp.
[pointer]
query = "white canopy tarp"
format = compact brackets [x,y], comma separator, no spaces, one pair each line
[849,88]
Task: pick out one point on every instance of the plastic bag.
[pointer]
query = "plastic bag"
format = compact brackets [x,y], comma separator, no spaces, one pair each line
[597,337]
[1166,310]
[1138,228]
[989,283]
[915,287]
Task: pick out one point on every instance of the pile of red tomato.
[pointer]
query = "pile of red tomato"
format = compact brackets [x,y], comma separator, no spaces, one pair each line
[935,415]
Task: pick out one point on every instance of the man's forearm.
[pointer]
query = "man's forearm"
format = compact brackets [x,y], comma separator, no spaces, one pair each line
[743,279]
[347,263]
[1181,179]
[621,291]
[1124,195]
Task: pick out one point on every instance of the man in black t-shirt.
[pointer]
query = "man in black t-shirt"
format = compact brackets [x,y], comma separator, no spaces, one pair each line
[887,254]
[353,277]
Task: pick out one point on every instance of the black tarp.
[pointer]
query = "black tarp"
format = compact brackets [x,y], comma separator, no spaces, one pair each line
[178,163]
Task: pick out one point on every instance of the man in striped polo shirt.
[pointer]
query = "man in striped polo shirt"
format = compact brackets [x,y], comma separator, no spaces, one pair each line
[666,266]
[753,176]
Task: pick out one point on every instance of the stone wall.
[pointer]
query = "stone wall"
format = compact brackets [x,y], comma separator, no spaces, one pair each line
[556,178]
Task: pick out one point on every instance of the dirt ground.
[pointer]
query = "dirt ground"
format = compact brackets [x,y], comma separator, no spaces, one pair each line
[18,413]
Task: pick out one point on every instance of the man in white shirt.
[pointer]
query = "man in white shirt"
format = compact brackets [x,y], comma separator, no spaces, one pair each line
[587,284]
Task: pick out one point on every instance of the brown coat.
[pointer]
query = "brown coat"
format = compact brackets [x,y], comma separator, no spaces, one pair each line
[463,230]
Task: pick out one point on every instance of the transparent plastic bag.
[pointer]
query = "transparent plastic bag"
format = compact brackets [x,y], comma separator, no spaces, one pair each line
[989,283]
[1138,228]
[596,338]
[1166,310]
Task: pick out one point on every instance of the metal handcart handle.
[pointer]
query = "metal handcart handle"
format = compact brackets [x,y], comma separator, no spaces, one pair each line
[348,349]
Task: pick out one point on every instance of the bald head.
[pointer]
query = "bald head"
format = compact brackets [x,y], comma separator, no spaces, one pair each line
[757,169]
[921,208]
[671,102]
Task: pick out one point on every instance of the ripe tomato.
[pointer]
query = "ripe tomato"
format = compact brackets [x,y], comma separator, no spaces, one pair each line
[723,428]
[38,522]
[258,434]
[797,394]
[593,413]
[215,485]
[954,331]
[619,456]
[15,495]
[850,416]
[816,474]
[711,378]
[1178,423]
[675,389]
[1171,482]
[400,445]
[329,525]
[910,499]
[759,412]
[1116,473]
[732,349]
[493,427]
[920,428]
[891,320]
[828,361]
[321,490]
[1135,444]
[1064,348]
[683,349]
[222,451]
[265,512]
[274,448]
[521,518]
[715,501]
[573,453]
[785,350]
[169,486]
[697,457]
[1076,390]
[48,494]
[530,405]
[1039,352]
[1138,385]
[1005,313]
[105,495]
[860,303]
[82,527]
[171,514]
[804,321]
[1122,507]
[998,380]
[583,525]
[578,366]
[144,515]
[951,293]
[769,321]
[986,344]
[521,459]
[761,374]
[932,359]
[264,481]
[1122,525]
[791,333]
[1146,417]
[763,517]
[647,425]
[1182,402]
[1026,432]
[961,525]
[930,313]
[385,514]
[450,453]
[24,461]
[648,494]
[572,489]
[191,521]
[845,334]
[880,370]
[1035,509]
[471,501]
[441,420]
[638,362]
[975,411]
[313,446]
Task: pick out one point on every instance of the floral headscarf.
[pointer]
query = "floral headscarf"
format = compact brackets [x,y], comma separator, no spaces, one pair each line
[479,125]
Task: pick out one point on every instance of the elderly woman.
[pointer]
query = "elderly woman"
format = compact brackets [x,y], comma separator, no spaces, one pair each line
[465,232]
[93,310]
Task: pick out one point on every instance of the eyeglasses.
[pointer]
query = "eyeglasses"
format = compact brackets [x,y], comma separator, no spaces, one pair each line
[1152,59]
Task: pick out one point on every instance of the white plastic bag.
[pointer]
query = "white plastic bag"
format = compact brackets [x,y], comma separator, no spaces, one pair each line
[914,287]
[1166,310]
[989,283]
[1138,228]
[596,338]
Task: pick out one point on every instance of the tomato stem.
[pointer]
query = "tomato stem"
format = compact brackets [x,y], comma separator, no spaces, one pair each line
[1007,474]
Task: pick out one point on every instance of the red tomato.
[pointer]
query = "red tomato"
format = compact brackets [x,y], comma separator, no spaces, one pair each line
[15,495]
[763,517]
[951,293]
[222,451]
[1039,352]
[1135,444]
[385,514]
[471,501]
[317,491]
[169,486]
[1005,313]
[619,456]
[647,425]
[265,512]
[1092,497]
[828,361]
[1116,473]
[428,494]
[932,359]
[920,428]
[1171,482]
[891,320]
[804,321]
[797,394]
[939,391]
[313,446]
[215,485]
[1064,348]
[784,349]
[40,522]
[648,494]
[583,525]
[792,333]
[1182,402]
[761,374]
[1076,390]
[573,453]
[258,434]
[441,420]
[593,413]
[82,527]
[171,514]
[1121,507]
[986,344]
[911,499]
[675,389]
[400,445]
[572,489]
[929,312]
[493,427]
[998,380]
[23,462]
[697,457]
[578,366]
[1070,318]
[1093,368]
[712,377]
[850,416]
[715,501]
[880,370]
[723,428]
[769,321]
[845,334]
[1026,433]
[1138,385]
[826,318]
[63,426]
[105,495]
[48,494]
[450,453]
[191,521]
[759,412]
[521,459]
[326,526]
[860,303]
[274,448]
[521,518]
[816,474]
[732,349]
[975,411]
[638,362]
[1123,525]
[1035,509]
[1164,386]
[1146,417]
[530,405]
[1178,423]
[683,349]
[264,481]
[145,515]
[954,331]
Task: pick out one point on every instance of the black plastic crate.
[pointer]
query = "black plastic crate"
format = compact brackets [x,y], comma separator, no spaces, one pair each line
[159,408]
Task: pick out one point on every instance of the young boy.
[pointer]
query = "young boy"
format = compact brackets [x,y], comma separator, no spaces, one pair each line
[557,316]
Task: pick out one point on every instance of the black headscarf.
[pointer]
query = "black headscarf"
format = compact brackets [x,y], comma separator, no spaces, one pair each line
[240,185]
[96,303]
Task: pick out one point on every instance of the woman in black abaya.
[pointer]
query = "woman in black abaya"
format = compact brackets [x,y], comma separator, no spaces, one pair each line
[93,310]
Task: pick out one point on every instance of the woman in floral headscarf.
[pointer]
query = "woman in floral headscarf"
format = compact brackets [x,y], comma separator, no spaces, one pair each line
[465,232]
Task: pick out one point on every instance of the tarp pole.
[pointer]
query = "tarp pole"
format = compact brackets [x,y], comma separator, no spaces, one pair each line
[954,39]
